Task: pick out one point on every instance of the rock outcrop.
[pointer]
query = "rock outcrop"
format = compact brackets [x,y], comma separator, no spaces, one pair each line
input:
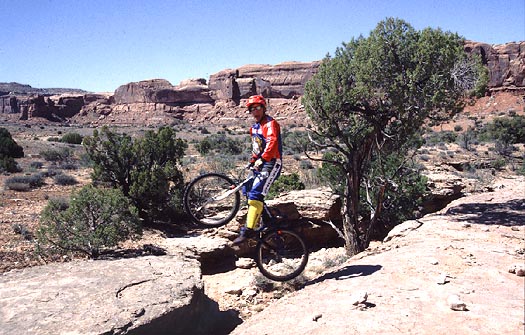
[157,101]
[143,295]
[448,273]
[285,80]
[505,62]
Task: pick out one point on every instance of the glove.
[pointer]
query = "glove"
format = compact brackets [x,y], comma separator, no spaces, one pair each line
[258,164]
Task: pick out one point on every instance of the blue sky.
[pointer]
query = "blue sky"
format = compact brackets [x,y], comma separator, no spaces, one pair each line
[99,45]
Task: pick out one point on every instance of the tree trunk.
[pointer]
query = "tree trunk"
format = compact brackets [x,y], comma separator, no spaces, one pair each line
[350,217]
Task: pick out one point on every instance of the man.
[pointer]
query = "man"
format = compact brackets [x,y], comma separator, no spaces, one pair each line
[266,158]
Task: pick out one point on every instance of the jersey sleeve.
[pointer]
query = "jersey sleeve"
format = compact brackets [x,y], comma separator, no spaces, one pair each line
[272,134]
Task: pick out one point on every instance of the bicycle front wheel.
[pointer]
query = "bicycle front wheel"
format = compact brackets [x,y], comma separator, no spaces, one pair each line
[209,202]
[281,255]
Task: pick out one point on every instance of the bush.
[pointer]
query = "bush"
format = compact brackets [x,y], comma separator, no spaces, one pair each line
[64,179]
[94,219]
[508,130]
[145,169]
[220,143]
[71,138]
[25,183]
[56,155]
[285,183]
[9,164]
[295,142]
[8,146]
[9,150]
[36,165]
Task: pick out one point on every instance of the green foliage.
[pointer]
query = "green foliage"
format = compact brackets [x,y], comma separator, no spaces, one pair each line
[8,146]
[508,130]
[373,97]
[145,169]
[71,138]
[220,143]
[295,142]
[25,183]
[405,189]
[9,150]
[285,183]
[434,138]
[64,179]
[56,155]
[8,164]
[332,174]
[94,219]
[467,139]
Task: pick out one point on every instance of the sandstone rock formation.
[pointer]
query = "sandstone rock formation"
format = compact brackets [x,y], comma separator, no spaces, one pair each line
[157,101]
[143,295]
[506,63]
[469,246]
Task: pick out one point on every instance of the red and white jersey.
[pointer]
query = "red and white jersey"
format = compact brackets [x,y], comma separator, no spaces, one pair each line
[266,139]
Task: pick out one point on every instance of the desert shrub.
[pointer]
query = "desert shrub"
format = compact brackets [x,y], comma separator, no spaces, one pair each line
[220,143]
[306,165]
[56,155]
[498,164]
[71,138]
[294,142]
[8,146]
[435,138]
[146,169]
[9,150]
[64,179]
[95,219]
[285,183]
[22,230]
[467,139]
[508,130]
[36,165]
[25,183]
[68,166]
[8,164]
[458,128]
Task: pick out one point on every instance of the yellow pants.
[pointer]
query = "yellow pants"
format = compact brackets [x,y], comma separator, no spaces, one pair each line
[255,208]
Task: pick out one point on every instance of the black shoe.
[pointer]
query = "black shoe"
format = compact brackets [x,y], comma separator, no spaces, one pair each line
[245,234]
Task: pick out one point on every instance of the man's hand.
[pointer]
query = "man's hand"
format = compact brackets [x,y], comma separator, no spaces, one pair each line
[258,164]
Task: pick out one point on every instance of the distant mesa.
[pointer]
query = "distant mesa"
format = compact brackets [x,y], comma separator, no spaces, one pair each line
[157,101]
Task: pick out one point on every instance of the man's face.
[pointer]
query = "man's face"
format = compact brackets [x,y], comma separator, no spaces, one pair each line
[257,112]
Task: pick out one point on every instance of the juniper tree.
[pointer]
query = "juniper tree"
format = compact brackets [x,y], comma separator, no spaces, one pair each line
[370,101]
[145,169]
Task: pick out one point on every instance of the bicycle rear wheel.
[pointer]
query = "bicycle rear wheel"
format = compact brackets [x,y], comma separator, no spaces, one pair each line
[281,255]
[207,202]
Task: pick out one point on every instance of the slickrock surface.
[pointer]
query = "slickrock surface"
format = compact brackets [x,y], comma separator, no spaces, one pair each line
[143,295]
[453,272]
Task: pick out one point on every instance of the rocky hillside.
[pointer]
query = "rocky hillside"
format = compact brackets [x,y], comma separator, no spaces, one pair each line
[219,100]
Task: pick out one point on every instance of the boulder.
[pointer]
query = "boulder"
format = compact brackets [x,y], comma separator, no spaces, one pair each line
[315,205]
[142,295]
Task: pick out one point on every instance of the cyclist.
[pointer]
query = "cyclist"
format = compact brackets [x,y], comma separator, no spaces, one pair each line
[266,158]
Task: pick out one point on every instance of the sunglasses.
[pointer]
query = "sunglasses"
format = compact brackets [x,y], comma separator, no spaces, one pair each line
[256,108]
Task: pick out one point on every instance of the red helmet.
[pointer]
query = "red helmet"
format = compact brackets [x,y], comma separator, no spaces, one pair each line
[256,99]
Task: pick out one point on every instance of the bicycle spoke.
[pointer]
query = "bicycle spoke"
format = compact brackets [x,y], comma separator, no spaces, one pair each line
[282,255]
[209,201]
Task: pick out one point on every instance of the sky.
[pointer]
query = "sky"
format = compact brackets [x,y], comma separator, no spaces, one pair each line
[98,45]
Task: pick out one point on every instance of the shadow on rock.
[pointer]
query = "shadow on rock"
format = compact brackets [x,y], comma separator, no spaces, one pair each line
[510,213]
[347,272]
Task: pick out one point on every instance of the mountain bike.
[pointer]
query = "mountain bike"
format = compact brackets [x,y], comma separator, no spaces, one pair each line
[213,199]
